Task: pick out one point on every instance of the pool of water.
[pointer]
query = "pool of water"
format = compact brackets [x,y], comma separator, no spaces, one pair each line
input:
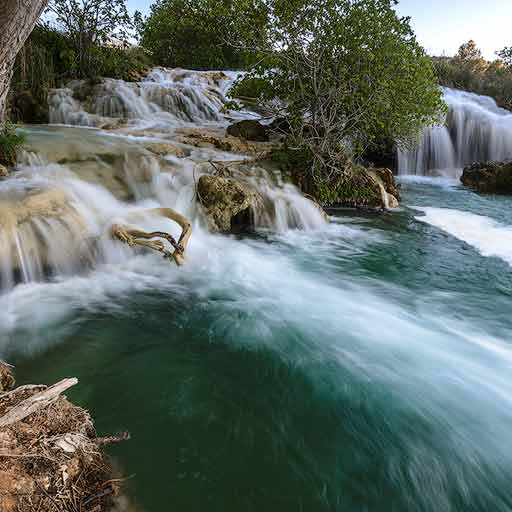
[364,366]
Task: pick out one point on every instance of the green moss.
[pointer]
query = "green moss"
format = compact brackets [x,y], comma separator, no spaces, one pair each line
[10,142]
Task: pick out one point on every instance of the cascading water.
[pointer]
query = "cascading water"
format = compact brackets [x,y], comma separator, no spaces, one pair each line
[166,95]
[73,183]
[476,129]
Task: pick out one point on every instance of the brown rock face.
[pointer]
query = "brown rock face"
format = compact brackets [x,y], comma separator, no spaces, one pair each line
[228,204]
[489,177]
[249,129]
[388,180]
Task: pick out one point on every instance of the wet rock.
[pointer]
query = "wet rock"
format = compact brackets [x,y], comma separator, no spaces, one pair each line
[489,177]
[388,180]
[249,129]
[166,148]
[228,204]
[358,187]
[26,109]
[215,139]
[3,171]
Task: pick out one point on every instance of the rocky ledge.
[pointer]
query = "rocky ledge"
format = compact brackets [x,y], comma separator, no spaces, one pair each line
[489,177]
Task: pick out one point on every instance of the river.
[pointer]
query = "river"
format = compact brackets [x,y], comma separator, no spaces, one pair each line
[362,364]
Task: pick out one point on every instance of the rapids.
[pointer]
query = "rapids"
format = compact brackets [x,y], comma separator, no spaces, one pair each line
[358,364]
[476,130]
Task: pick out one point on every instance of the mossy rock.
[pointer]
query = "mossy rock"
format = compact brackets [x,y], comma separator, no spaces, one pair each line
[489,177]
[229,204]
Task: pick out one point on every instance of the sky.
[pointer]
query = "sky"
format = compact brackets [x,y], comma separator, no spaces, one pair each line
[443,25]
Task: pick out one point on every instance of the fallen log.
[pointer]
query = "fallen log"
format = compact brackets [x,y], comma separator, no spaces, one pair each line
[132,235]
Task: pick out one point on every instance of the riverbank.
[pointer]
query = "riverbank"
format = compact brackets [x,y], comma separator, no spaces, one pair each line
[50,456]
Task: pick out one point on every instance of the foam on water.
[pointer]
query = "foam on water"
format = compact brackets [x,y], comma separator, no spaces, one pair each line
[488,236]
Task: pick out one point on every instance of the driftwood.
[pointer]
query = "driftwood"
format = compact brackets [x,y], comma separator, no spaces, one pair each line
[36,402]
[135,236]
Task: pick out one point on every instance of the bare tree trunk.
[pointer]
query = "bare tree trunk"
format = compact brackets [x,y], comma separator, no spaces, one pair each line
[17,19]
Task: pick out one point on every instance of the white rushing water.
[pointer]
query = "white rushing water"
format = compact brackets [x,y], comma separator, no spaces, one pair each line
[165,96]
[74,183]
[476,129]
[488,236]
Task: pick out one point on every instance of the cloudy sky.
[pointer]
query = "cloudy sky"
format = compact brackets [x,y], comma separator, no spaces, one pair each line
[443,25]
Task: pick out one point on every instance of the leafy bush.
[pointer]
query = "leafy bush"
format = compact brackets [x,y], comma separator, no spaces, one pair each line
[10,142]
[346,75]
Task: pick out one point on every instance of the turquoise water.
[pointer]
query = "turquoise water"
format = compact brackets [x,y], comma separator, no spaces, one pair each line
[362,367]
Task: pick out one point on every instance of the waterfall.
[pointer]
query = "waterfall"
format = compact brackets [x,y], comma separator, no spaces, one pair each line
[72,184]
[170,96]
[476,129]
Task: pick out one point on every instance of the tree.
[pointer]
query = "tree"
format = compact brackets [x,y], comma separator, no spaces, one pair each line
[202,34]
[89,24]
[506,55]
[469,51]
[346,74]
[17,19]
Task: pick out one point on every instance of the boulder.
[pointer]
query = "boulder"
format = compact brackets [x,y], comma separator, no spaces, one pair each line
[26,109]
[388,180]
[489,177]
[228,204]
[3,171]
[249,129]
[359,187]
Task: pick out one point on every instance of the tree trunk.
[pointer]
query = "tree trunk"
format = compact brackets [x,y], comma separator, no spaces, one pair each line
[17,19]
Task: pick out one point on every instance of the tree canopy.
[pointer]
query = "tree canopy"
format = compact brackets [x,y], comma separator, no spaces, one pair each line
[89,25]
[201,34]
[346,74]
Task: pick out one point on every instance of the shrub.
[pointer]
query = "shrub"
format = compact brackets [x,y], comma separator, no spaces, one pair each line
[10,142]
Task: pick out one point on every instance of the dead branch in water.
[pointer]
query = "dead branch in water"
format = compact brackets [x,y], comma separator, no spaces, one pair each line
[135,236]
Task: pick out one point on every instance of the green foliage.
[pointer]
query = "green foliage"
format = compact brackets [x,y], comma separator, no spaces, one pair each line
[10,142]
[347,74]
[125,64]
[203,34]
[469,71]
[91,25]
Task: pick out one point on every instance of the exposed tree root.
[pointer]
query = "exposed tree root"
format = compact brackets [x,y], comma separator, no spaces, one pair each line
[134,236]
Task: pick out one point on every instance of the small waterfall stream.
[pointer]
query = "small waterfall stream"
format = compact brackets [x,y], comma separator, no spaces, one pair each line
[476,129]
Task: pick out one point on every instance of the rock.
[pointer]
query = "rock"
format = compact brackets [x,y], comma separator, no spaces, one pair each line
[489,177]
[213,138]
[249,129]
[3,172]
[388,180]
[27,109]
[166,148]
[229,204]
[358,187]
